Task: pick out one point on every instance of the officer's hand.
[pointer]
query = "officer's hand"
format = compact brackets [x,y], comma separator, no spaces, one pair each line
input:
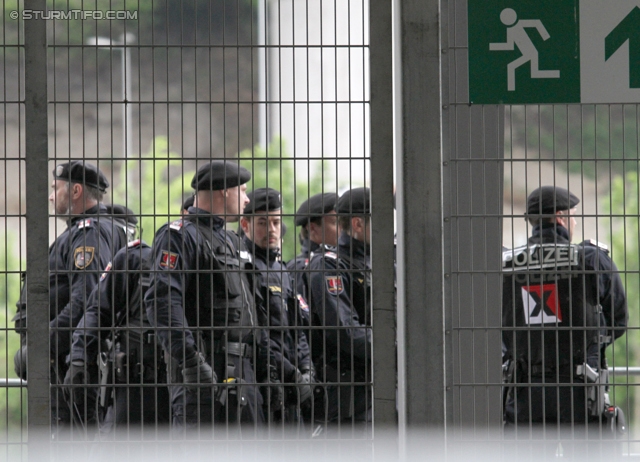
[305,387]
[196,370]
[76,375]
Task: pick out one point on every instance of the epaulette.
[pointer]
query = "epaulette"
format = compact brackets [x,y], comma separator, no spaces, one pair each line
[135,243]
[331,255]
[177,225]
[594,243]
[84,223]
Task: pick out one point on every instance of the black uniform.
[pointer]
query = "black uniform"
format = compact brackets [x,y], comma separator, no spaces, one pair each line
[339,287]
[200,301]
[562,305]
[116,303]
[298,264]
[288,348]
[76,260]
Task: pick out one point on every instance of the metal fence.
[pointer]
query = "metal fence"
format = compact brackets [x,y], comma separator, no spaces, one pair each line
[303,95]
[279,88]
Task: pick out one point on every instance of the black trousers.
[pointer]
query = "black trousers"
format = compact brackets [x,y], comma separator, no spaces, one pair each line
[199,407]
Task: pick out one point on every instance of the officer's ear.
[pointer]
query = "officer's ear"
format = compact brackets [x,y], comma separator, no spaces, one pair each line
[244,224]
[357,224]
[76,190]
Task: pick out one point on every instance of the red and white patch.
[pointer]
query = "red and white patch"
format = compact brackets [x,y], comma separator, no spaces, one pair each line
[541,304]
[334,285]
[106,270]
[302,303]
[168,260]
[177,225]
[84,223]
[134,243]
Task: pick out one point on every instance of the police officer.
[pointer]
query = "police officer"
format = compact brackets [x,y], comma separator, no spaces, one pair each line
[76,259]
[201,303]
[563,304]
[319,226]
[340,301]
[186,204]
[261,226]
[132,356]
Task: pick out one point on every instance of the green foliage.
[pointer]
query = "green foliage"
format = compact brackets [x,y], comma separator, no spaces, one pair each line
[294,178]
[625,251]
[12,400]
[153,187]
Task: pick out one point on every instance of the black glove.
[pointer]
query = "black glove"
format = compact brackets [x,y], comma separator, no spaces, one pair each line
[304,379]
[274,391]
[196,370]
[76,375]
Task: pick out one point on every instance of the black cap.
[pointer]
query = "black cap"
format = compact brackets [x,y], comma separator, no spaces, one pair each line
[219,174]
[354,202]
[188,203]
[262,200]
[81,172]
[316,207]
[123,212]
[548,200]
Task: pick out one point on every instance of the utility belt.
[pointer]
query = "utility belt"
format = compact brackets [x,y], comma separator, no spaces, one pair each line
[137,358]
[243,350]
[596,389]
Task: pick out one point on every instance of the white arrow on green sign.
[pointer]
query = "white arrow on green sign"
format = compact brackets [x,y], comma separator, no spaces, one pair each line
[546,51]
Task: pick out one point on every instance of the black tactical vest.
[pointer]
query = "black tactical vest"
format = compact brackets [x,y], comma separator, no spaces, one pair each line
[550,314]
[223,292]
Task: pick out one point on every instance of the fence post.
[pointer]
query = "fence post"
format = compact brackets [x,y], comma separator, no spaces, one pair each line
[36,150]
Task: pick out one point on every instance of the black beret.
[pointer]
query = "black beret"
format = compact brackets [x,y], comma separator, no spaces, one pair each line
[353,202]
[547,200]
[81,172]
[315,207]
[121,211]
[188,203]
[262,200]
[219,174]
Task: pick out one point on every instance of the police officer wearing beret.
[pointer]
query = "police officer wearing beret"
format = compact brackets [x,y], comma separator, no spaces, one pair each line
[319,226]
[289,350]
[201,303]
[563,304]
[116,304]
[76,259]
[340,301]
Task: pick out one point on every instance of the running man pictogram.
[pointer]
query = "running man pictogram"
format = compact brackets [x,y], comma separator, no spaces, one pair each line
[517,36]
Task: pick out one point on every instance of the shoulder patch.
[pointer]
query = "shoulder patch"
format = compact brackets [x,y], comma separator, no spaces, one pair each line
[594,243]
[177,225]
[83,256]
[302,303]
[106,270]
[168,260]
[84,223]
[135,243]
[331,255]
[334,285]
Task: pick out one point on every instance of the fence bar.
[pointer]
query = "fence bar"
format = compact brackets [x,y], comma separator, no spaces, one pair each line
[36,147]
[384,338]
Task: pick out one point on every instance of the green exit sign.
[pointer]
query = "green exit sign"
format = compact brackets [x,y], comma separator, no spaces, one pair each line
[551,51]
